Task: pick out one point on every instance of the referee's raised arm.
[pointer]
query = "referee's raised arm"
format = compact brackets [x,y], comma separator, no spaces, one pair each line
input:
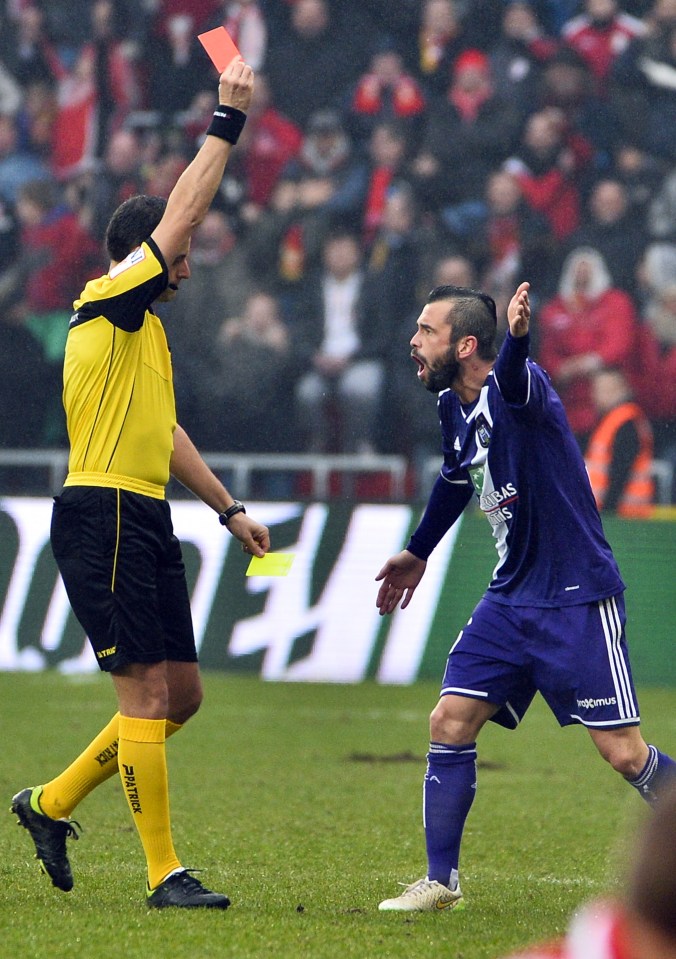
[191,198]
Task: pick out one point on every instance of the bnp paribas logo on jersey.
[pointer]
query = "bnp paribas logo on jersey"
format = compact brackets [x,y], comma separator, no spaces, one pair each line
[482,431]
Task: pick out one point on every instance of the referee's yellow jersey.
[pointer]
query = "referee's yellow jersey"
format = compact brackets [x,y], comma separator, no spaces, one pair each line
[118,389]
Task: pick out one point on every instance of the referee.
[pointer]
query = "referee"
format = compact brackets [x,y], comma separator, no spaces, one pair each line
[111,530]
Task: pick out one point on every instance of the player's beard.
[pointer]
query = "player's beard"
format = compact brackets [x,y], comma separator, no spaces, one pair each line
[443,374]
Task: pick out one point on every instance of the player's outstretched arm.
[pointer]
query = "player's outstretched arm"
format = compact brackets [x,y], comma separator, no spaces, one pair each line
[518,311]
[195,189]
[400,575]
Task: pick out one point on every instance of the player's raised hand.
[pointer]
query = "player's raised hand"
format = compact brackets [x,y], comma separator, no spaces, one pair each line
[400,575]
[518,311]
[236,84]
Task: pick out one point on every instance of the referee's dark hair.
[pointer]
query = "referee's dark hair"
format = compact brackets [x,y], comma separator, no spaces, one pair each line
[132,223]
[472,313]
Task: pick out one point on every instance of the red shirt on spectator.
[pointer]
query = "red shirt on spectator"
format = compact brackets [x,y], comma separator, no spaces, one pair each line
[599,44]
[589,324]
[64,252]
[272,140]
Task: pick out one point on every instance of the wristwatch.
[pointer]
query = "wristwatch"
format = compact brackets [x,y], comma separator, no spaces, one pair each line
[227,514]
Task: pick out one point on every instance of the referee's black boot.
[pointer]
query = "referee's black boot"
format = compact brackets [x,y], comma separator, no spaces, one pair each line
[183,890]
[49,836]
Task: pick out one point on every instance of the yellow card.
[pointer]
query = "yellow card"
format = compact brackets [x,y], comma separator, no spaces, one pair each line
[272,564]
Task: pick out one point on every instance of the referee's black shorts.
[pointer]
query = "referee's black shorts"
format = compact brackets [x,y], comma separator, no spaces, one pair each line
[123,571]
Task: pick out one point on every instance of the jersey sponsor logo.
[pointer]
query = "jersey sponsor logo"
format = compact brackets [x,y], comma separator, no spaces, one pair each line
[482,430]
[499,516]
[593,703]
[496,504]
[136,256]
[505,494]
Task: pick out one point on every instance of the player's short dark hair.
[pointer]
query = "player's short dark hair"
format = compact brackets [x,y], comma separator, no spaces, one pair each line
[132,223]
[472,313]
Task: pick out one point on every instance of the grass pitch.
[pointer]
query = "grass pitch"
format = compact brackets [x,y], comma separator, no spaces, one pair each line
[303,803]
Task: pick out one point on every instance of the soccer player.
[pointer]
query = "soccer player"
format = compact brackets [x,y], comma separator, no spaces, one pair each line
[552,618]
[111,531]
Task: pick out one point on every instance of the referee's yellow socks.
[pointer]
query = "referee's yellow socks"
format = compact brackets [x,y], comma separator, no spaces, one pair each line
[94,765]
[143,770]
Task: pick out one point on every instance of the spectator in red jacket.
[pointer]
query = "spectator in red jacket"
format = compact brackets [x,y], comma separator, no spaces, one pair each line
[385,92]
[589,324]
[56,249]
[269,141]
[547,166]
[600,34]
[94,95]
[387,150]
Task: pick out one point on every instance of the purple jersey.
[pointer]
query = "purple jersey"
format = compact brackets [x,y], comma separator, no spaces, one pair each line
[514,448]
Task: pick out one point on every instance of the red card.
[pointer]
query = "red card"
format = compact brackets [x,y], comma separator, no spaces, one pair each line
[220,46]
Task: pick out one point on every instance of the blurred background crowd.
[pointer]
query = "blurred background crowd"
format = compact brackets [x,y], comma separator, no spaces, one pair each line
[391,146]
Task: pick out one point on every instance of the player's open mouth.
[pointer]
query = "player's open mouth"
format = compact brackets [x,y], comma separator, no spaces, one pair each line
[421,366]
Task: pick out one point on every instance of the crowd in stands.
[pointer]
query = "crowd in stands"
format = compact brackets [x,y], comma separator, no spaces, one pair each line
[391,146]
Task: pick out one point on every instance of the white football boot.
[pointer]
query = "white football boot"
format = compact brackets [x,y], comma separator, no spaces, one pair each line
[425,895]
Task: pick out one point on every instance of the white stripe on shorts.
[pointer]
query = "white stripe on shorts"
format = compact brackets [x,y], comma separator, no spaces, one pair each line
[460,689]
[612,630]
[613,722]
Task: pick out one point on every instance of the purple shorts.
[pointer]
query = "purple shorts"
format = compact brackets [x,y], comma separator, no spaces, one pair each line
[575,656]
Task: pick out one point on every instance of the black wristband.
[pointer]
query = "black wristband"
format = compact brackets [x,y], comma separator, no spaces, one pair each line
[227,123]
[227,514]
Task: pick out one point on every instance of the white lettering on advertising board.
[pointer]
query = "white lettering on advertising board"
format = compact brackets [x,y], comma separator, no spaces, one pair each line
[343,619]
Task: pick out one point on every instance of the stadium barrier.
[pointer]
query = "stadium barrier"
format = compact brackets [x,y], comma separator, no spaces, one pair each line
[44,470]
[319,623]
